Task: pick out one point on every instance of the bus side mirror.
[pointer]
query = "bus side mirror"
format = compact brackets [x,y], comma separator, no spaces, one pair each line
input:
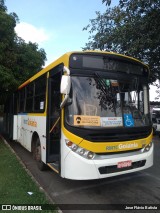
[65,84]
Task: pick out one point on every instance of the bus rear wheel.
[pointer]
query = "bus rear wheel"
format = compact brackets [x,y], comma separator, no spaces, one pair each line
[37,155]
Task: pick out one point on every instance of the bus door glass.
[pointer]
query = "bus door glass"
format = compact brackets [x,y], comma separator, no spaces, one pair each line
[53,119]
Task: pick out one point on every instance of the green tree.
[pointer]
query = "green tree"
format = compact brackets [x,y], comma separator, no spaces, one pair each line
[29,59]
[132,27]
[7,57]
[18,60]
[2,5]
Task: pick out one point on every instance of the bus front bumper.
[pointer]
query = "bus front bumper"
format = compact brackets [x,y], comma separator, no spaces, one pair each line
[79,168]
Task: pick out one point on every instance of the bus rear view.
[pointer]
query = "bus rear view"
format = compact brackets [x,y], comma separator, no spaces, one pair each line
[106,124]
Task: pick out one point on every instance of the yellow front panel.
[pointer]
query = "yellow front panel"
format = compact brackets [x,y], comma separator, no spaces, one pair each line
[103,147]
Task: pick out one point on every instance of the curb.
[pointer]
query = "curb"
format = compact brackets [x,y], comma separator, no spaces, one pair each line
[30,174]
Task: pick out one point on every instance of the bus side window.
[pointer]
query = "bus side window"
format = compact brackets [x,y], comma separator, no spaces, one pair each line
[29,97]
[21,100]
[40,94]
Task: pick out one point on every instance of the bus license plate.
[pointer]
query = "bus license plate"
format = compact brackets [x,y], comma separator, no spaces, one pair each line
[124,164]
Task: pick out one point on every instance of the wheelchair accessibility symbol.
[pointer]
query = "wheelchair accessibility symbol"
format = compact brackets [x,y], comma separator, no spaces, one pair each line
[128,120]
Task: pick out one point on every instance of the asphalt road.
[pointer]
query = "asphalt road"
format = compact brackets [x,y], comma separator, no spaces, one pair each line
[136,188]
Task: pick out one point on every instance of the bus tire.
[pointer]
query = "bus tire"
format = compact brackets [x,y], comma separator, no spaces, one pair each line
[37,155]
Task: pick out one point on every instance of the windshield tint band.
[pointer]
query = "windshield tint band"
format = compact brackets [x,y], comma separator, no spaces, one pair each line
[109,75]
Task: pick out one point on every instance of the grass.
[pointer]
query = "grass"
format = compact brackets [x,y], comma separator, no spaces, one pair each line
[15,182]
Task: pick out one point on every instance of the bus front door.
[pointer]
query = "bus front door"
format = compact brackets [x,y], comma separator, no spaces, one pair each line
[53,120]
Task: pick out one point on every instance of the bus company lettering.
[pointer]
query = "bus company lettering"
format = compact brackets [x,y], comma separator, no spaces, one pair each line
[122,146]
[128,146]
[30,122]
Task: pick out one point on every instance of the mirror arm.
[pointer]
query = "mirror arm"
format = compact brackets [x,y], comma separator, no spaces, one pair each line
[64,101]
[65,69]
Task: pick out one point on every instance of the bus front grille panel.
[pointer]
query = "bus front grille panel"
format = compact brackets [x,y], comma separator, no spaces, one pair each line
[114,169]
[114,137]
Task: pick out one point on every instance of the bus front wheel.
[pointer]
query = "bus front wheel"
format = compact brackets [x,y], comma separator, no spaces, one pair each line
[37,155]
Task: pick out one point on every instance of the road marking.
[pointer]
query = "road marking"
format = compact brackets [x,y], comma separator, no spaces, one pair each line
[56,194]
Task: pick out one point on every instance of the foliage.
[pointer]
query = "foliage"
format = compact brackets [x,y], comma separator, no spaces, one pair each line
[18,60]
[132,27]
[28,57]
[2,6]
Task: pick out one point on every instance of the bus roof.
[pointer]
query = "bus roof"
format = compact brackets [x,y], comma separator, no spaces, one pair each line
[64,59]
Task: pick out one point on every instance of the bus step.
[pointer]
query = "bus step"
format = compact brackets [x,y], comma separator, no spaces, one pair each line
[54,166]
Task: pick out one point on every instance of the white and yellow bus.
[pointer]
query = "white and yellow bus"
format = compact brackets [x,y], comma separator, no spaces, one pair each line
[86,116]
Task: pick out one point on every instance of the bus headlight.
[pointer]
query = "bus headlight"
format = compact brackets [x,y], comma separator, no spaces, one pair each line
[147,148]
[74,147]
[80,151]
[90,155]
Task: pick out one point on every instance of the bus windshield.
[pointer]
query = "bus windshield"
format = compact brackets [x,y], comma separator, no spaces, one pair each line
[100,102]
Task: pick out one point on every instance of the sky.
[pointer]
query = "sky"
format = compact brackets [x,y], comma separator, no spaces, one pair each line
[57,25]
